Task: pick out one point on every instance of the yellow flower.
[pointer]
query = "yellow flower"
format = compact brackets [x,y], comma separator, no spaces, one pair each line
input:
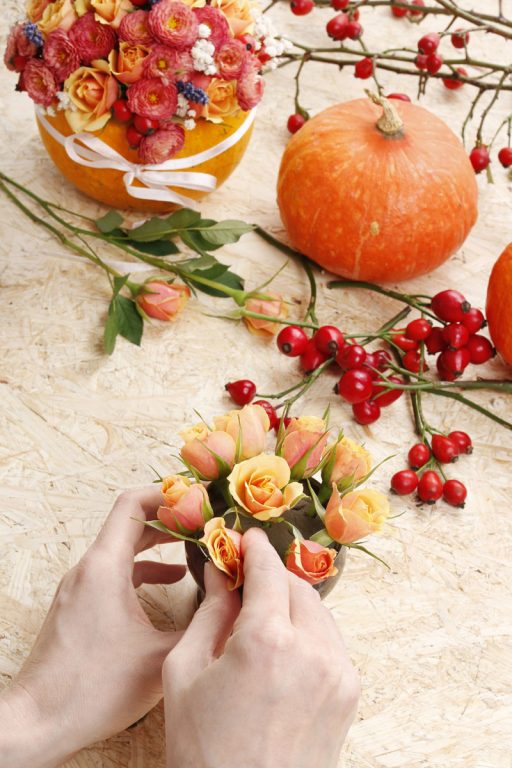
[359,513]
[261,485]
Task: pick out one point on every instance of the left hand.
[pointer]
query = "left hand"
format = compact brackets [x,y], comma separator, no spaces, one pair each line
[96,666]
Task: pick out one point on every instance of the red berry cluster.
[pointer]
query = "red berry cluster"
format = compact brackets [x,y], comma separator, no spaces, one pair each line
[422,476]
[243,392]
[138,126]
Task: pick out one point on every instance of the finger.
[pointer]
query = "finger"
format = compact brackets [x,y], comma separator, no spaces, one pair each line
[266,588]
[149,572]
[309,614]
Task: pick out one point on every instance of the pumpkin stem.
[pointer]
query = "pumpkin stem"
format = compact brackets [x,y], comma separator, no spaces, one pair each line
[389,123]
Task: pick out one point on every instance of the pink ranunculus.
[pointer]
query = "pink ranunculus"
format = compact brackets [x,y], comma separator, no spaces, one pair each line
[18,45]
[216,21]
[60,54]
[39,82]
[173,23]
[162,300]
[250,86]
[152,98]
[134,28]
[92,39]
[189,512]
[169,64]
[231,59]
[201,454]
[162,145]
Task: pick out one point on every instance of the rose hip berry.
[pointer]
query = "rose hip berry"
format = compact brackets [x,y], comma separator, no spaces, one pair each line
[311,358]
[444,449]
[429,43]
[453,84]
[474,320]
[364,68]
[399,96]
[462,440]
[412,361]
[416,14]
[479,158]
[419,329]
[133,137]
[435,341]
[418,455]
[404,342]
[421,61]
[270,411]
[444,373]
[351,356]
[295,122]
[404,482]
[339,5]
[382,359]
[366,412]
[454,493]
[480,349]
[430,487]
[355,385]
[383,396]
[399,13]
[242,391]
[145,125]
[450,306]
[337,27]
[434,63]
[354,30]
[505,157]
[460,38]
[456,335]
[292,341]
[121,110]
[329,340]
[301,7]
[455,360]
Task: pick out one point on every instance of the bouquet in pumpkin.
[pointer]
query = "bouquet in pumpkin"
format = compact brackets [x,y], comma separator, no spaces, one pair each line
[232,483]
[156,66]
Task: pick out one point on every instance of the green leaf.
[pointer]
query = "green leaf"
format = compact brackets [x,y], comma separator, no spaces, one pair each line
[197,242]
[156,247]
[109,222]
[184,218]
[111,330]
[205,261]
[228,278]
[319,508]
[152,229]
[119,282]
[130,323]
[229,231]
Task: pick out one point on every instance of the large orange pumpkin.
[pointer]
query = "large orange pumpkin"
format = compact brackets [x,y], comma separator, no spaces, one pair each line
[377,196]
[499,304]
[106,185]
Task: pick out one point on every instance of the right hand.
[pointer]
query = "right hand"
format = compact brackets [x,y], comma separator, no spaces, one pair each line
[263,685]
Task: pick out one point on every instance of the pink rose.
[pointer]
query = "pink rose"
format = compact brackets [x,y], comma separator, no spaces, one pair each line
[311,561]
[36,8]
[127,63]
[174,24]
[169,64]
[216,21]
[303,445]
[201,452]
[273,307]
[92,39]
[231,59]
[60,54]
[134,28]
[249,89]
[153,98]
[162,300]
[187,506]
[39,82]
[162,145]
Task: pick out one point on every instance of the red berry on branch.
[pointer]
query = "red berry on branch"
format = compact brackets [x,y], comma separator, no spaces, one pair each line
[444,373]
[455,361]
[382,359]
[339,5]
[351,356]
[337,27]
[430,487]
[505,157]
[145,125]
[301,7]
[295,122]
[450,306]
[418,329]
[121,111]
[434,63]
[241,391]
[366,412]
[454,493]
[354,30]
[462,440]
[418,455]
[412,361]
[364,68]
[421,61]
[445,450]
[399,96]
[355,385]
[133,137]
[479,158]
[460,38]
[474,320]
[456,335]
[329,340]
[354,15]
[270,411]
[416,15]
[292,340]
[403,342]
[311,358]
[435,341]
[429,43]
[399,13]
[384,396]
[454,83]
[404,482]
[480,349]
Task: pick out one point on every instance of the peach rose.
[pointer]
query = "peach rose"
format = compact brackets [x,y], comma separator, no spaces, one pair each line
[224,547]
[359,513]
[162,300]
[303,445]
[348,461]
[238,13]
[187,506]
[110,12]
[262,487]
[248,427]
[311,561]
[92,91]
[36,8]
[211,456]
[60,14]
[222,101]
[127,63]
[275,307]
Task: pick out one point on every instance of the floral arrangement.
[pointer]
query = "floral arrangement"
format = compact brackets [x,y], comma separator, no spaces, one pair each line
[157,66]
[231,483]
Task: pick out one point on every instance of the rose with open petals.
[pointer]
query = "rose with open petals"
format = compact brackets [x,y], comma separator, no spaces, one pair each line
[110,12]
[274,306]
[173,23]
[92,39]
[39,82]
[169,64]
[351,517]
[348,461]
[60,54]
[92,91]
[261,486]
[134,28]
[187,506]
[212,456]
[238,13]
[310,561]
[222,101]
[153,98]
[216,22]
[248,427]
[35,9]
[224,547]
[127,62]
[250,86]
[303,445]
[60,14]
[162,300]
[230,59]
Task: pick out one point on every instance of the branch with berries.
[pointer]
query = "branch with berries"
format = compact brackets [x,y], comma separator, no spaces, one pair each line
[444,56]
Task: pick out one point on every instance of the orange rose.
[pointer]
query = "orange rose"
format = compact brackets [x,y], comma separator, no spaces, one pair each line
[348,461]
[359,513]
[35,9]
[310,561]
[162,300]
[248,427]
[274,307]
[222,100]
[208,454]
[109,12]
[261,486]
[238,13]
[60,14]
[127,63]
[224,548]
[187,506]
[92,91]
[303,445]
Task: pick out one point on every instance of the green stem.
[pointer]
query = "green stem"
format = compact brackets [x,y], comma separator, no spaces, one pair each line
[258,316]
[405,298]
[475,407]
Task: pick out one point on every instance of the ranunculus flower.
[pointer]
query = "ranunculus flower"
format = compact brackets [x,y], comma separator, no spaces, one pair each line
[230,59]
[262,487]
[187,506]
[162,300]
[173,23]
[351,517]
[248,427]
[275,307]
[216,21]
[92,91]
[311,561]
[60,14]
[202,454]
[18,45]
[250,86]
[60,54]
[238,14]
[134,28]
[222,101]
[35,9]
[225,549]
[348,460]
[39,82]
[92,39]
[127,63]
[162,145]
[303,445]
[169,64]
[152,98]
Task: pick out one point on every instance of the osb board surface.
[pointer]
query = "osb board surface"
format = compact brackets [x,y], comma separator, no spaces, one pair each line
[432,635]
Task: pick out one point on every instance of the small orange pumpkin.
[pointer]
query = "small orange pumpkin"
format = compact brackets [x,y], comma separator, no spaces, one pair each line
[499,304]
[377,196]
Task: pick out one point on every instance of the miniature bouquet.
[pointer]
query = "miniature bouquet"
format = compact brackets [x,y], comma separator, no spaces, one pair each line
[304,493]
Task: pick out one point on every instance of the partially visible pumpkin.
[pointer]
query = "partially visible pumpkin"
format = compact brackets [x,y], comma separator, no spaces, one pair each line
[373,196]
[499,305]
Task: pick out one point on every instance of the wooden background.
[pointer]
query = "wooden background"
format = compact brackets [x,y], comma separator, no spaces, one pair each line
[432,635]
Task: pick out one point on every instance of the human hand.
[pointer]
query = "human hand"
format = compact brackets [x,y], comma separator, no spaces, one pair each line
[96,666]
[263,685]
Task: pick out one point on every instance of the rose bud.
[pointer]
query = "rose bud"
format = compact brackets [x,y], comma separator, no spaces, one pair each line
[224,548]
[303,445]
[162,300]
[359,513]
[248,427]
[211,456]
[310,561]
[348,461]
[274,307]
[187,506]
